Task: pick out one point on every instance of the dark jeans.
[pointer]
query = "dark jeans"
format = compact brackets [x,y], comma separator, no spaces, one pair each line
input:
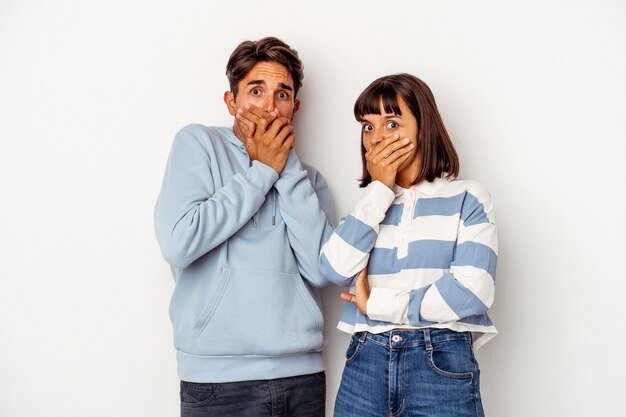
[299,396]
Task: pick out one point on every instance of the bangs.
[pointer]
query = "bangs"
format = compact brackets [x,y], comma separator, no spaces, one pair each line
[370,99]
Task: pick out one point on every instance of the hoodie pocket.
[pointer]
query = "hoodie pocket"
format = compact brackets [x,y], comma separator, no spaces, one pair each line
[256,312]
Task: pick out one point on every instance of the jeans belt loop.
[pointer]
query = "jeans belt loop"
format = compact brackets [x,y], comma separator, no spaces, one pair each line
[429,344]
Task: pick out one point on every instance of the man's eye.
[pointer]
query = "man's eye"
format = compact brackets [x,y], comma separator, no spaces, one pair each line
[255,92]
[392,125]
[282,95]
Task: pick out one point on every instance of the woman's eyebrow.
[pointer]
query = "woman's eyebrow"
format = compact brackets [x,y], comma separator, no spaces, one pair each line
[386,117]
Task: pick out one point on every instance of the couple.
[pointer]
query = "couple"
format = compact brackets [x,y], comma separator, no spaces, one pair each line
[247,230]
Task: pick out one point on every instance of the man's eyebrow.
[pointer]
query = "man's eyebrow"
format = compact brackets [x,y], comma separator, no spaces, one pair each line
[262,82]
[285,86]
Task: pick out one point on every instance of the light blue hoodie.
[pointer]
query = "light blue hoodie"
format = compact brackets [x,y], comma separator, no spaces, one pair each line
[243,245]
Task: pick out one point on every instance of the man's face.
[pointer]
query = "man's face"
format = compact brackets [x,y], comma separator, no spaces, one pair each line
[267,85]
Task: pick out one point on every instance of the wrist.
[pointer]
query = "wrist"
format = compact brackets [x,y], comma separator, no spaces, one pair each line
[389,182]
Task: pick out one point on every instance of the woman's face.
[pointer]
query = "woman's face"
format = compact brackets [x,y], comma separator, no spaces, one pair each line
[376,127]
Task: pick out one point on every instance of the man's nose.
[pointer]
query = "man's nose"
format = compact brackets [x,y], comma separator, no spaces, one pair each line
[268,104]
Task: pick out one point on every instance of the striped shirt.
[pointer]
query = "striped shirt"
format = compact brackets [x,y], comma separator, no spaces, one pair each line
[431,253]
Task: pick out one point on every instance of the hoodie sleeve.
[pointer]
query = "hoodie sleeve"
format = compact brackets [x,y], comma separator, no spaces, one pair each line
[306,207]
[195,212]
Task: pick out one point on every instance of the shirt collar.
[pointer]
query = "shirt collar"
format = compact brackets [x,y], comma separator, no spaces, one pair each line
[424,187]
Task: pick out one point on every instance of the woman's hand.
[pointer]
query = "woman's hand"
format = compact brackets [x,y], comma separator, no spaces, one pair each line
[362,289]
[385,156]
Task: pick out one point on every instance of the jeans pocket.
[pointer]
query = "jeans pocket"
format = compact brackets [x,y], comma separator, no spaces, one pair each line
[194,394]
[354,348]
[453,359]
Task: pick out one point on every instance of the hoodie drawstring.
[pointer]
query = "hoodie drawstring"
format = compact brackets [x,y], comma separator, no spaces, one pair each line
[274,208]
[272,195]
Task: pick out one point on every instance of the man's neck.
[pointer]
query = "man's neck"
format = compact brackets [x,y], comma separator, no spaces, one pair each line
[237,131]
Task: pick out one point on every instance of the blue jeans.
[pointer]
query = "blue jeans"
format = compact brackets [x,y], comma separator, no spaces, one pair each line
[426,373]
[298,396]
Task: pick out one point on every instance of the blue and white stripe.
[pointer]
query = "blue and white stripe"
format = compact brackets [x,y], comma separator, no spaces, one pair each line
[431,252]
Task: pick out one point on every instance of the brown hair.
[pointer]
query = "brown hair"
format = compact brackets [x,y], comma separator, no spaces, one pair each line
[433,142]
[270,49]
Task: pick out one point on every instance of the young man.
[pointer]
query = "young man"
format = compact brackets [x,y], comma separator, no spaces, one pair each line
[241,221]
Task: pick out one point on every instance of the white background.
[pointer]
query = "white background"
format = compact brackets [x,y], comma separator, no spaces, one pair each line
[92,93]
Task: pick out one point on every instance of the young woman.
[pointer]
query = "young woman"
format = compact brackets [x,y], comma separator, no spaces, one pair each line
[420,250]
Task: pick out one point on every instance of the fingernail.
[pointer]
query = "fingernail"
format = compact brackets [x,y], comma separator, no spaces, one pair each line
[405,140]
[247,106]
[396,136]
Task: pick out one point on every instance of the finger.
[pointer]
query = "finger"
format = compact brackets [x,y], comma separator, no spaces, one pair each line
[400,143]
[362,275]
[244,124]
[254,128]
[288,143]
[262,113]
[374,141]
[382,145]
[392,149]
[391,152]
[361,282]
[259,117]
[247,115]
[277,125]
[346,296]
[259,111]
[398,157]
[283,134]
[250,131]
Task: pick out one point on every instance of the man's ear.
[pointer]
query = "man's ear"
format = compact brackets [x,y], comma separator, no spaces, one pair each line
[229,99]
[296,107]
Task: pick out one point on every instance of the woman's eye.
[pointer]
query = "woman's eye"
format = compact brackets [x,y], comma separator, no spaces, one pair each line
[392,125]
[367,128]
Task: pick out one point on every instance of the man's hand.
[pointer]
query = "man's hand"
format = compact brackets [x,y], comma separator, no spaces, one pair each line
[268,138]
[362,289]
[384,157]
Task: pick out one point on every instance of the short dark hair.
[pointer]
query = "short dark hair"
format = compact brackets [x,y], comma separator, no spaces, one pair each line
[268,49]
[433,142]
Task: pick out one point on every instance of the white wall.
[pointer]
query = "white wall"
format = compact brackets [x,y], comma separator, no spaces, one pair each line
[92,93]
